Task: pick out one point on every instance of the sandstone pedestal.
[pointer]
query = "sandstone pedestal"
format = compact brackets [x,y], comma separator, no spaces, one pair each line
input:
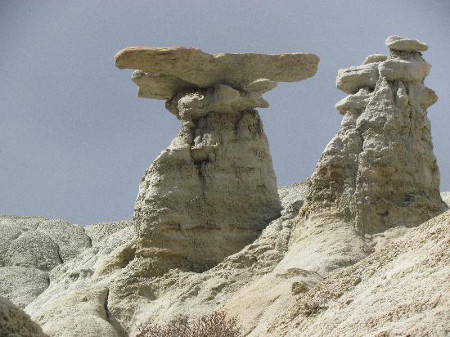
[213,190]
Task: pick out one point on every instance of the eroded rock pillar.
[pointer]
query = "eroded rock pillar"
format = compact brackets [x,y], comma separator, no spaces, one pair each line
[213,190]
[379,171]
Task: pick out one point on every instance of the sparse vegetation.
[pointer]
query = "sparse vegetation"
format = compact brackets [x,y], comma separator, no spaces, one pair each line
[217,324]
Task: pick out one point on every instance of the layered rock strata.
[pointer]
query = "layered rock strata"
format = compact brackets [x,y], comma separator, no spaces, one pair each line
[379,171]
[213,189]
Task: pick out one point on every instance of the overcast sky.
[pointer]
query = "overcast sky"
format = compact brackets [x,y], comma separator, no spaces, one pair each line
[75,139]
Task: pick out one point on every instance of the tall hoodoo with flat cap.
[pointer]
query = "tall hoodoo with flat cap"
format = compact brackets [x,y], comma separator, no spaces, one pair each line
[213,190]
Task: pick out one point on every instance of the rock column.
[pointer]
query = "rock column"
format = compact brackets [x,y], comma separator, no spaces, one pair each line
[379,171]
[213,190]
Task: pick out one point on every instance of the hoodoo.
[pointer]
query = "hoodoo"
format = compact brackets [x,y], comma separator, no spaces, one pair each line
[213,190]
[379,171]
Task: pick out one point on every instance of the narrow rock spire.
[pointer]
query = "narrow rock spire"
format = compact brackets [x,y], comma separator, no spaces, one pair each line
[379,171]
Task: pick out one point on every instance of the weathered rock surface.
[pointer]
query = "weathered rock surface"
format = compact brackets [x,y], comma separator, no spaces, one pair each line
[82,313]
[378,172]
[15,323]
[77,273]
[22,284]
[29,248]
[213,190]
[399,43]
[401,289]
[164,72]
[348,254]
[102,232]
[269,297]
[135,296]
[39,242]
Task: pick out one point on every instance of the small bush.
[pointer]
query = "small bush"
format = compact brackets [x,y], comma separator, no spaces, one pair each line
[216,324]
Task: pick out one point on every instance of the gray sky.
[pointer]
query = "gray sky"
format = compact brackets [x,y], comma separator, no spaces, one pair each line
[75,140]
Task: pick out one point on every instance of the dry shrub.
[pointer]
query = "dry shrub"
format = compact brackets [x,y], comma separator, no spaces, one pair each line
[217,324]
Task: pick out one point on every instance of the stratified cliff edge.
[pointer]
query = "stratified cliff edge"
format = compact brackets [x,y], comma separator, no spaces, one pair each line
[362,248]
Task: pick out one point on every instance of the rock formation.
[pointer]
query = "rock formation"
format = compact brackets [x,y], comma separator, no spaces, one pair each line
[29,248]
[346,256]
[15,323]
[379,171]
[213,189]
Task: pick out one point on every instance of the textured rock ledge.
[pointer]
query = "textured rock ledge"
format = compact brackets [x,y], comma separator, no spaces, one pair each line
[163,72]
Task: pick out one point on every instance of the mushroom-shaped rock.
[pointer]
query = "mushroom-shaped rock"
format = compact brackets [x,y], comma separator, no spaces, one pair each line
[399,43]
[213,190]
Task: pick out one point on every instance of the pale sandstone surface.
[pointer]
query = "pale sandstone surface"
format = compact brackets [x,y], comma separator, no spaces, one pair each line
[135,296]
[167,71]
[29,248]
[345,253]
[213,190]
[100,232]
[16,323]
[76,274]
[209,194]
[379,172]
[39,242]
[401,289]
[256,287]
[32,247]
[395,42]
[22,284]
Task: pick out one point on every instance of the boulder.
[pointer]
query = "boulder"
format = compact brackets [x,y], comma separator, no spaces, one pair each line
[30,247]
[399,43]
[352,79]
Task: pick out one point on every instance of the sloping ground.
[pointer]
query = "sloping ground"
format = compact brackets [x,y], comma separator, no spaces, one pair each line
[15,323]
[29,248]
[402,289]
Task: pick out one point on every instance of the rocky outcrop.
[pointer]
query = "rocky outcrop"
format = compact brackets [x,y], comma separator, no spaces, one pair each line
[330,264]
[29,248]
[15,323]
[130,296]
[379,171]
[213,190]
[401,289]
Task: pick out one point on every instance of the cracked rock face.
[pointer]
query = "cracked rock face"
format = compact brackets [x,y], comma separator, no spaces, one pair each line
[380,170]
[213,189]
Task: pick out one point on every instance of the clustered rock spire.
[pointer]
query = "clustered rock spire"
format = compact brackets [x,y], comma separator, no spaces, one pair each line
[213,190]
[379,171]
